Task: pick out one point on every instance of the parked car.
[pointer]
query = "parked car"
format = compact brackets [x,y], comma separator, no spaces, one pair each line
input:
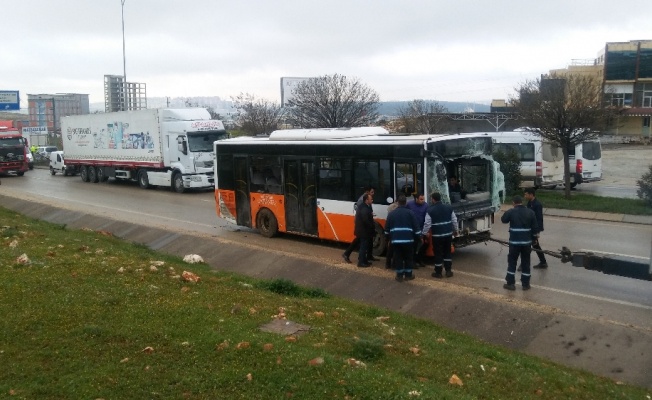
[45,151]
[30,159]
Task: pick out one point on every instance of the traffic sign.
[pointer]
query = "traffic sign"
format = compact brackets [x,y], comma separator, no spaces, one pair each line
[9,100]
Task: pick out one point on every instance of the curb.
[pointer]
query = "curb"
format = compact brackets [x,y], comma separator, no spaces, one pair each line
[593,215]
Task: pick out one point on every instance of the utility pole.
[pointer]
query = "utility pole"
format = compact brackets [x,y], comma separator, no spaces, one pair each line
[124,61]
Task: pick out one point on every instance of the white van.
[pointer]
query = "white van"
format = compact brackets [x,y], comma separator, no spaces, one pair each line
[585,162]
[58,164]
[542,163]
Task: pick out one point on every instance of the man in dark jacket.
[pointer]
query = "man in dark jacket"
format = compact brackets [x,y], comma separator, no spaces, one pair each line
[441,220]
[522,227]
[401,227]
[355,243]
[419,207]
[364,228]
[535,205]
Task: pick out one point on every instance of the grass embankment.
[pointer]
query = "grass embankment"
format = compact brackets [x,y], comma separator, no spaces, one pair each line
[587,202]
[87,316]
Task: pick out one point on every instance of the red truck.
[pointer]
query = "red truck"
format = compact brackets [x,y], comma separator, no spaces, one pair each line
[13,152]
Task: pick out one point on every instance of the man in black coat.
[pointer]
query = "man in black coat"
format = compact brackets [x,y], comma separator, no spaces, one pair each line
[355,243]
[365,229]
[535,205]
[522,227]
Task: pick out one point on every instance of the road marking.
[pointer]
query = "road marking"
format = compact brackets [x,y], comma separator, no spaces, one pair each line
[586,296]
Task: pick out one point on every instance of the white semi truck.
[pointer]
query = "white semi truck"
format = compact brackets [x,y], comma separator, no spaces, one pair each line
[156,147]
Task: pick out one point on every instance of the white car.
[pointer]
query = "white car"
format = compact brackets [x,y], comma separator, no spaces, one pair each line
[45,151]
[30,159]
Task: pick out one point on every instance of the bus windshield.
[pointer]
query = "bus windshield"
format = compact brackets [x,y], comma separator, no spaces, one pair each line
[203,141]
[462,147]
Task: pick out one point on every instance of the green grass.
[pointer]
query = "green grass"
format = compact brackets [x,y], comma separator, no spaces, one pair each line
[588,202]
[78,321]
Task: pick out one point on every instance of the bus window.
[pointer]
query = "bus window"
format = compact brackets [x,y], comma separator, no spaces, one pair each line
[265,175]
[408,178]
[335,178]
[374,173]
[225,172]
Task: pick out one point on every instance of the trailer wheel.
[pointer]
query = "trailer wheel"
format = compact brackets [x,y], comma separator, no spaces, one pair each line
[101,175]
[83,172]
[143,180]
[177,183]
[266,223]
[52,171]
[92,174]
[379,244]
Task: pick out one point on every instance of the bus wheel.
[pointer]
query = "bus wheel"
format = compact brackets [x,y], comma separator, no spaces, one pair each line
[266,223]
[379,244]
[84,173]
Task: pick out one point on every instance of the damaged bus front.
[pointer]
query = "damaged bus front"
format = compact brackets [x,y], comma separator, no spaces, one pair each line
[462,169]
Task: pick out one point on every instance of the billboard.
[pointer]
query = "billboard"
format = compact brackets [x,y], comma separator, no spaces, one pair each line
[9,100]
[287,87]
[35,130]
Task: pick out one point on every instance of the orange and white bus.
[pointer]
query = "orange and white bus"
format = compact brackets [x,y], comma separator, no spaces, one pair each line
[307,181]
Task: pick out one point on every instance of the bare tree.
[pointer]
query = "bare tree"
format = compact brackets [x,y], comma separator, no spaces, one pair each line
[333,101]
[565,110]
[422,116]
[257,116]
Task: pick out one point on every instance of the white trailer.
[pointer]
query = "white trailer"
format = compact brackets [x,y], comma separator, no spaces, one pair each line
[156,147]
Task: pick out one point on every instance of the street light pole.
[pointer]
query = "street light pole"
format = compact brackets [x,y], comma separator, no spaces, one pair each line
[124,61]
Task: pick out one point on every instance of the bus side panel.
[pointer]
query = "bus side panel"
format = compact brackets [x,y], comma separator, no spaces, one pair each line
[225,204]
[274,202]
[336,227]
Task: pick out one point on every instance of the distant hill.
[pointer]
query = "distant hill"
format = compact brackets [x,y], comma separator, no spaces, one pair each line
[225,107]
[391,108]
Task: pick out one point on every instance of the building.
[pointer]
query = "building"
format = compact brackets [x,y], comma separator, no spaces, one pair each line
[47,109]
[625,70]
[628,83]
[120,95]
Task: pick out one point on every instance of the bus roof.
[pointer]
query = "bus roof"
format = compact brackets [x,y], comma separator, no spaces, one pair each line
[364,135]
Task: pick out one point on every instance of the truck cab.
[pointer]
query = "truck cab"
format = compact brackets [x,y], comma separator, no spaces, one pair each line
[13,153]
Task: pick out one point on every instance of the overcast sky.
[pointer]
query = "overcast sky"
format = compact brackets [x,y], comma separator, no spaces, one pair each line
[469,51]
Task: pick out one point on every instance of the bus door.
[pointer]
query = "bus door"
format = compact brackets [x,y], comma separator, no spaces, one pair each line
[408,178]
[242,202]
[300,196]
